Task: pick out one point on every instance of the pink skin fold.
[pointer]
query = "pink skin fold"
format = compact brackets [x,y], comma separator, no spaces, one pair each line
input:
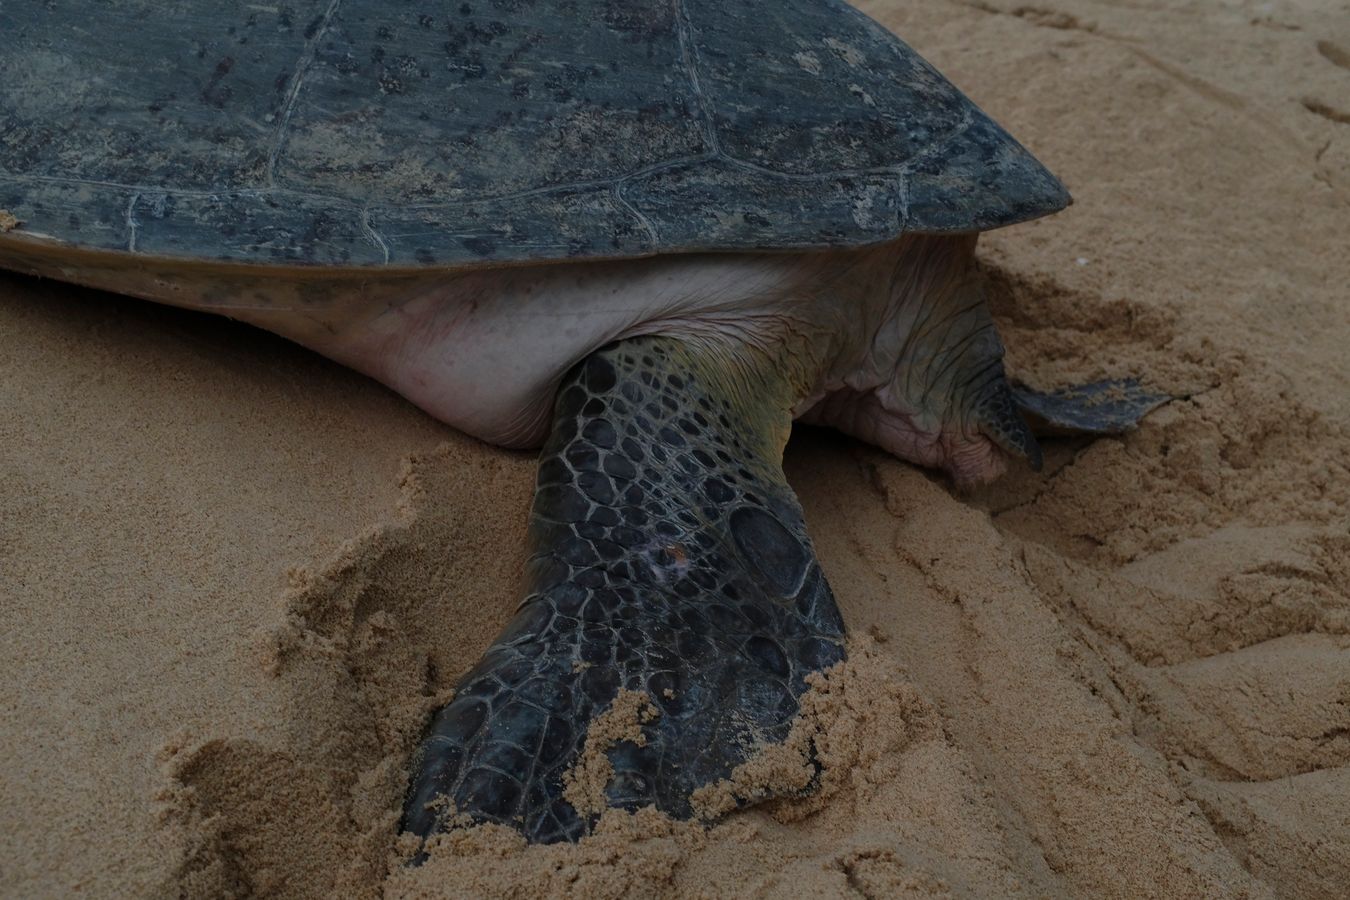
[883,342]
[890,343]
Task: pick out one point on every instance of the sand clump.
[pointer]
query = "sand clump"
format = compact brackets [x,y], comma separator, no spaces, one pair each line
[238,578]
[853,714]
[863,726]
[622,720]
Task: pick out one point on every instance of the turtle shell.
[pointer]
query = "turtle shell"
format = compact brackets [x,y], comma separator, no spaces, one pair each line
[370,133]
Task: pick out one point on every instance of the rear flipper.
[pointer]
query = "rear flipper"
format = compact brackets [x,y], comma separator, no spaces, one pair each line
[669,556]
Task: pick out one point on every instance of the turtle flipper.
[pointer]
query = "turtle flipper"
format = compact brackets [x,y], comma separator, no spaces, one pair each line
[1113,406]
[669,556]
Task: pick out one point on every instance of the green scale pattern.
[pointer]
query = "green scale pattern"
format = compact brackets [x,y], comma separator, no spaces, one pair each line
[669,556]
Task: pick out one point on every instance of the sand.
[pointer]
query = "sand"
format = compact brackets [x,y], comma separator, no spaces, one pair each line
[235,577]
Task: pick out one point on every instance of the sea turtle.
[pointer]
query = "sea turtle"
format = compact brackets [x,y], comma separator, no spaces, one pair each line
[647,235]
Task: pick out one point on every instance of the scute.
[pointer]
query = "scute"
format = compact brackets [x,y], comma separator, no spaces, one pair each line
[368,133]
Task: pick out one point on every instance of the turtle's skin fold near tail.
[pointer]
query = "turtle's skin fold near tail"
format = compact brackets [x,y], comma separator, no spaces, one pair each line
[668,556]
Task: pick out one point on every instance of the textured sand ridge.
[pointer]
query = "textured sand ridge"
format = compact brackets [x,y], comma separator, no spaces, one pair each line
[235,578]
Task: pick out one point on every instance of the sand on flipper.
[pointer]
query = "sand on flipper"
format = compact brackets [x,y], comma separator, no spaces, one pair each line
[235,578]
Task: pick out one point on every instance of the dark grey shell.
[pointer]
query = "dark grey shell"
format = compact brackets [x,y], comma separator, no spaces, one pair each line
[418,133]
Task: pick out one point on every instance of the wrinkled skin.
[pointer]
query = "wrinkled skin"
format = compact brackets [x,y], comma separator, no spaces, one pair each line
[892,344]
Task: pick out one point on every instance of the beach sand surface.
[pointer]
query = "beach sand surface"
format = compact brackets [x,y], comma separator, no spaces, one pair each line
[235,577]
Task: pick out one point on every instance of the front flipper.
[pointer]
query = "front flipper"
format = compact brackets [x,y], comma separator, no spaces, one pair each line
[1106,407]
[669,556]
